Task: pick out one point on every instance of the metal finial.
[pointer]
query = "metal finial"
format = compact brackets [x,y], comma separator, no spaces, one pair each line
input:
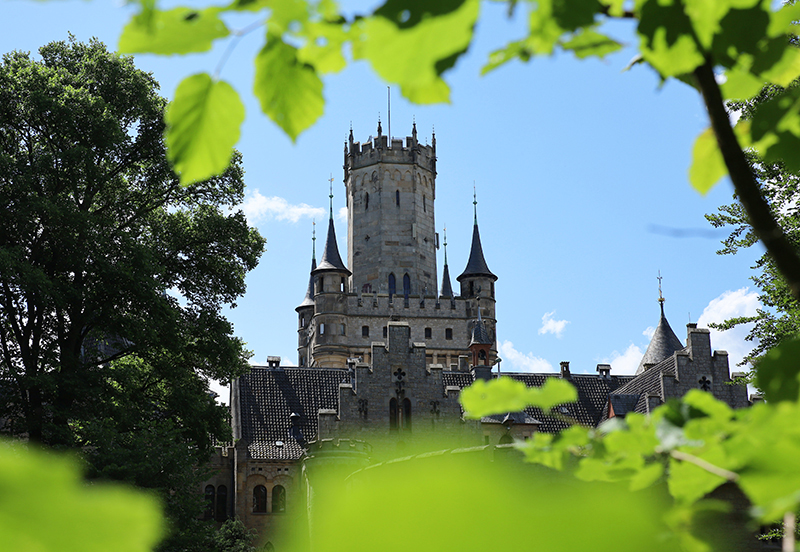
[331,194]
[313,240]
[445,245]
[475,202]
[660,295]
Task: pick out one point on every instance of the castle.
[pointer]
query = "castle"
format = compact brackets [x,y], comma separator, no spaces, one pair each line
[383,353]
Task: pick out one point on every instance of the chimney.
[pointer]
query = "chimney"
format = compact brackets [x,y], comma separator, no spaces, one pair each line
[604,370]
[565,369]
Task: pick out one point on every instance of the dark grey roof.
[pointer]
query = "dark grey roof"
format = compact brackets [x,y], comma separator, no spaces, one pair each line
[593,391]
[515,417]
[479,334]
[331,260]
[476,265]
[650,380]
[623,403]
[269,396]
[447,289]
[663,344]
[309,299]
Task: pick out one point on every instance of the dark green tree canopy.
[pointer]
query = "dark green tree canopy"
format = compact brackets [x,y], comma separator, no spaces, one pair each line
[104,255]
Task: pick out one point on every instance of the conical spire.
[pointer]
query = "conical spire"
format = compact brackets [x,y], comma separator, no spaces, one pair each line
[479,334]
[476,265]
[664,342]
[331,260]
[309,299]
[447,289]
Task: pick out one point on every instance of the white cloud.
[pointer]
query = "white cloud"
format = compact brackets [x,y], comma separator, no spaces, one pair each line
[516,361]
[552,326]
[223,391]
[625,363]
[649,331]
[342,214]
[731,304]
[257,207]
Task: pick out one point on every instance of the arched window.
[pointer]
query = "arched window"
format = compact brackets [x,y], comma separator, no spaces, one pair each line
[406,285]
[424,205]
[222,503]
[260,499]
[278,499]
[392,285]
[393,414]
[322,328]
[406,414]
[366,201]
[269,547]
[397,198]
[210,494]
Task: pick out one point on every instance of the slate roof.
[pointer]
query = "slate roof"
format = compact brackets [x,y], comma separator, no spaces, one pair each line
[447,289]
[309,299]
[662,345]
[479,334]
[268,396]
[331,260]
[476,265]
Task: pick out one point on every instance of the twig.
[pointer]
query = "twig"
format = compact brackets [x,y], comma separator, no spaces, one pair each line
[700,463]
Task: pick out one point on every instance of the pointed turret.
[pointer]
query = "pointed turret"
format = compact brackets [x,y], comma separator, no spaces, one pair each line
[480,345]
[477,268]
[447,289]
[305,310]
[664,342]
[309,299]
[331,260]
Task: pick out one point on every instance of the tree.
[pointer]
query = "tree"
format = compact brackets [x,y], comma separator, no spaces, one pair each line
[113,275]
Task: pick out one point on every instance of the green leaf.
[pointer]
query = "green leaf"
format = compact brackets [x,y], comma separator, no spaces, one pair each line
[290,92]
[414,58]
[707,167]
[554,392]
[778,372]
[44,506]
[666,40]
[589,42]
[408,13]
[203,124]
[496,396]
[176,31]
[323,49]
[740,83]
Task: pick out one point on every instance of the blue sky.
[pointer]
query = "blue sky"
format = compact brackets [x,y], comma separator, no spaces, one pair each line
[581,175]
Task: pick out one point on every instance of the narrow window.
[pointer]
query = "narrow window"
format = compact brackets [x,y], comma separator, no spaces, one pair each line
[319,284]
[392,285]
[322,329]
[342,286]
[366,201]
[428,333]
[278,499]
[393,413]
[397,198]
[342,329]
[424,205]
[491,289]
[364,331]
[482,355]
[222,503]
[385,331]
[406,414]
[471,289]
[209,500]
[406,285]
[448,333]
[302,361]
[260,499]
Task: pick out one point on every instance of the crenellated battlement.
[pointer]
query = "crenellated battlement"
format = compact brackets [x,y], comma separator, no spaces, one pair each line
[380,149]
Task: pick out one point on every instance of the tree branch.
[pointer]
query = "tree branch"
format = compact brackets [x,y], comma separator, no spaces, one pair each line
[747,189]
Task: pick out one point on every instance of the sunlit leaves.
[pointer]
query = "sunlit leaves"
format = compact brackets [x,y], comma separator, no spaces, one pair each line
[290,91]
[415,57]
[778,374]
[203,124]
[45,507]
[707,163]
[175,31]
[667,41]
[590,43]
[502,395]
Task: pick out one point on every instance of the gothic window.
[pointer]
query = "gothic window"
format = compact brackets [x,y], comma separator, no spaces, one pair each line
[364,331]
[424,205]
[406,285]
[393,413]
[278,499]
[448,333]
[260,499]
[210,495]
[397,198]
[482,354]
[392,285]
[366,201]
[406,414]
[222,503]
[428,333]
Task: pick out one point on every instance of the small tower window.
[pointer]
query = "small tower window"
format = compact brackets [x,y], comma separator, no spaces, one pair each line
[471,289]
[342,329]
[222,503]
[342,286]
[385,331]
[406,414]
[397,198]
[448,333]
[278,499]
[366,201]
[392,285]
[260,499]
[406,285]
[393,414]
[424,205]
[428,333]
[322,329]
[320,284]
[364,331]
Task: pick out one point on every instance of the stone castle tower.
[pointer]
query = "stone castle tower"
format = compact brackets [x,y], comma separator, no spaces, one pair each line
[391,251]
